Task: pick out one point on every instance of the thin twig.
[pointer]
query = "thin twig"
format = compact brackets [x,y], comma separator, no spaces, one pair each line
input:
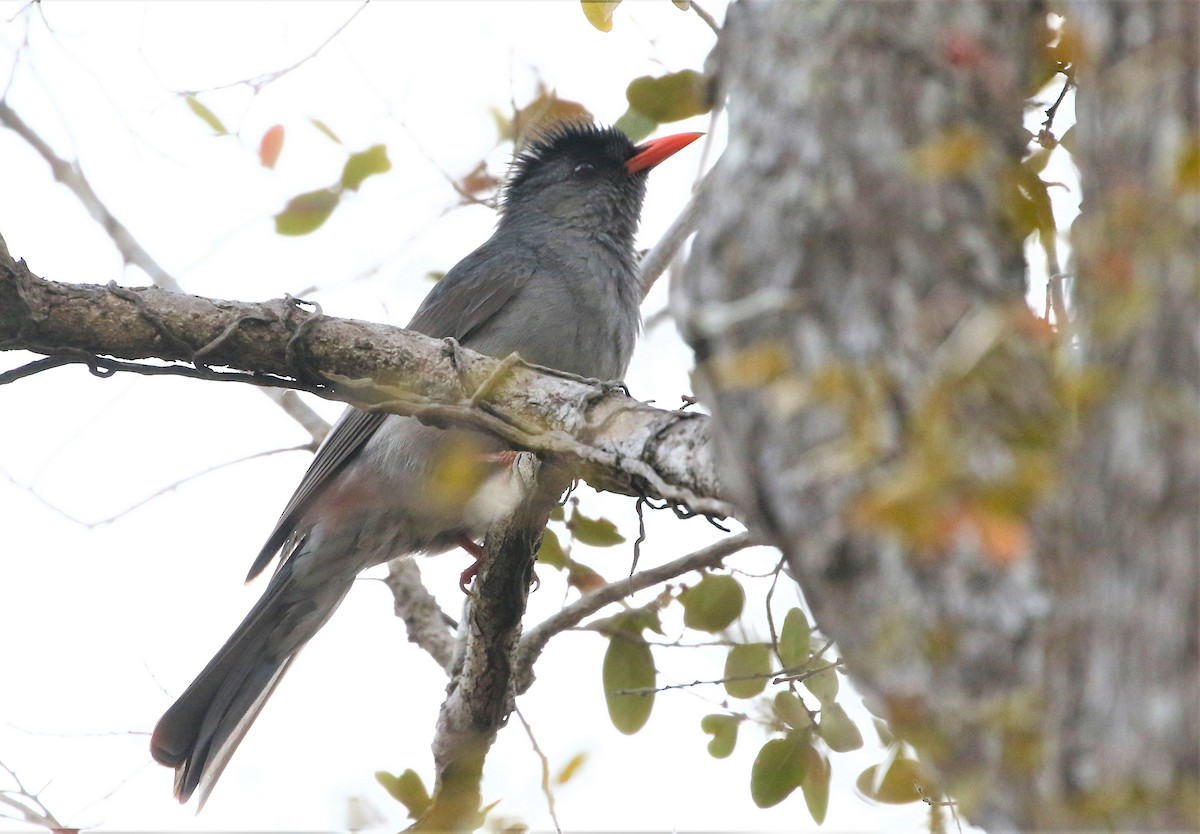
[536,638]
[71,175]
[656,261]
[163,491]
[706,17]
[27,804]
[545,770]
[257,83]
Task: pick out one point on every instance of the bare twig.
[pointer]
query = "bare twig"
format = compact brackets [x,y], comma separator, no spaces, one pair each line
[25,804]
[536,638]
[71,175]
[656,261]
[171,487]
[549,794]
[257,83]
[708,19]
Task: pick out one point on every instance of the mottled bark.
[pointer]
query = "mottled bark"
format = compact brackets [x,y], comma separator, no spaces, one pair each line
[611,440]
[891,416]
[1121,658]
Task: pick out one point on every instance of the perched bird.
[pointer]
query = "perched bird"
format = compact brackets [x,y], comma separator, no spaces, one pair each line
[556,283]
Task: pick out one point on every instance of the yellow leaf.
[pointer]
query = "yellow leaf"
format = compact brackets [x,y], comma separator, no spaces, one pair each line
[951,153]
[570,768]
[751,367]
[1187,172]
[599,12]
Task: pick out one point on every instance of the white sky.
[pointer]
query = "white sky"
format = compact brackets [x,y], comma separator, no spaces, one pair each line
[104,626]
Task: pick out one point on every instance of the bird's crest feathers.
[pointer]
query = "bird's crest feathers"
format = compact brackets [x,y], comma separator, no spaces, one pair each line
[578,140]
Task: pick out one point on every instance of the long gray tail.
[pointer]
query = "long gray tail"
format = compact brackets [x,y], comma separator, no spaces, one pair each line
[202,729]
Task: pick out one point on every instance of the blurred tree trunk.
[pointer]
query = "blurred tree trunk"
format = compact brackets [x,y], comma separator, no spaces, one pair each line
[1001,535]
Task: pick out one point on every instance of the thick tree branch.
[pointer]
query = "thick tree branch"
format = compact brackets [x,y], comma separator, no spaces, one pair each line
[611,440]
[481,695]
[428,626]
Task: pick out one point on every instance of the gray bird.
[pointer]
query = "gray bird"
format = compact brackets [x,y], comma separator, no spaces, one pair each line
[556,283]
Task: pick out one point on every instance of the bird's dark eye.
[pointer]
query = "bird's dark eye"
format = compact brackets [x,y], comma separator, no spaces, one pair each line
[584,170]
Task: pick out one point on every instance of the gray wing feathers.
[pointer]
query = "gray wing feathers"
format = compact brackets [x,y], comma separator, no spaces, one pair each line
[349,434]
[472,292]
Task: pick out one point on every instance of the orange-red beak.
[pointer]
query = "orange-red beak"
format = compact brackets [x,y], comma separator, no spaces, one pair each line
[655,151]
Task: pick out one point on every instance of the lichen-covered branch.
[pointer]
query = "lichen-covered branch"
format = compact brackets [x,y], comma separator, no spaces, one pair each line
[609,439]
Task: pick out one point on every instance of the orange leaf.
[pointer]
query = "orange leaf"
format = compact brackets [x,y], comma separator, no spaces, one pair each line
[1004,539]
[270,146]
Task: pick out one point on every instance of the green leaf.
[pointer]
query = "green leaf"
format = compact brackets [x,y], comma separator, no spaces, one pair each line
[324,128]
[637,620]
[407,789]
[599,12]
[551,552]
[883,731]
[374,160]
[898,786]
[628,664]
[713,604]
[683,5]
[747,669]
[823,684]
[793,639]
[723,729]
[1067,140]
[1036,162]
[597,532]
[778,770]
[207,115]
[670,97]
[790,709]
[816,783]
[636,125]
[557,514]
[306,212]
[840,733]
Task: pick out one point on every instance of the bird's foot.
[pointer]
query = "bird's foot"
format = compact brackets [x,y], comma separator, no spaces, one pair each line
[479,554]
